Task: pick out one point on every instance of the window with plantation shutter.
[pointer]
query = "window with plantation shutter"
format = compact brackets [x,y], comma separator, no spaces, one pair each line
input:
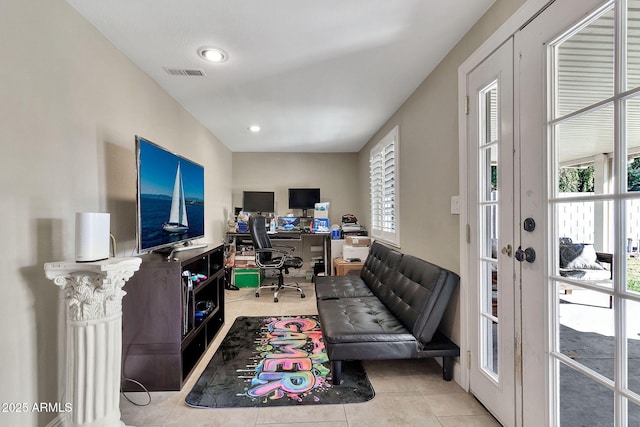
[383,177]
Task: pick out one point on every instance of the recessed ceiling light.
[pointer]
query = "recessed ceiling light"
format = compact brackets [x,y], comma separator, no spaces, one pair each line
[213,54]
[254,128]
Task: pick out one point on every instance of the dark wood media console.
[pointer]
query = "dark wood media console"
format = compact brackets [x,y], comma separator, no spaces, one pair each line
[162,338]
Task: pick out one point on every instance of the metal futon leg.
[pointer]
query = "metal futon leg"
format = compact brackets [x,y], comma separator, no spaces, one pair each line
[336,372]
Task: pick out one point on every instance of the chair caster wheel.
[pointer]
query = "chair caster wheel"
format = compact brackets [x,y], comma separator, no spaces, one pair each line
[275,300]
[257,294]
[302,295]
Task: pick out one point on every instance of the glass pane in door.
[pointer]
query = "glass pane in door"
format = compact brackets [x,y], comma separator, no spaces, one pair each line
[634,412]
[490,222]
[490,172]
[584,249]
[632,246]
[586,331]
[632,107]
[633,346]
[490,358]
[585,66]
[584,401]
[633,43]
[490,296]
[582,142]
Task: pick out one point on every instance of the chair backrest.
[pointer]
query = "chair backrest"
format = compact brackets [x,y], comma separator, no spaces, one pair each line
[258,230]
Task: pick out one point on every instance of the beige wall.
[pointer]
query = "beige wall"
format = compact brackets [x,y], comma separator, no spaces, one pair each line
[70,105]
[428,126]
[335,174]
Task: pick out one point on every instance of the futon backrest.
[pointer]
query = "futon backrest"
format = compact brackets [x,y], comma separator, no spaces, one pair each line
[380,260]
[417,293]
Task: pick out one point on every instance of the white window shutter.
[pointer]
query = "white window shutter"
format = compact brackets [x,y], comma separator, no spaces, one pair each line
[383,174]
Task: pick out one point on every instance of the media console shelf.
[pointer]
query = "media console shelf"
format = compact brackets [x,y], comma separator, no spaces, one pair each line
[162,338]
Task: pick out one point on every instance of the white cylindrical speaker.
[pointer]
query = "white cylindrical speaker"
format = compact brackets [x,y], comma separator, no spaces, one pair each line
[92,236]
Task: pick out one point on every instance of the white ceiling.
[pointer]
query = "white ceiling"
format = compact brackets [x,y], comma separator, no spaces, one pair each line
[317,76]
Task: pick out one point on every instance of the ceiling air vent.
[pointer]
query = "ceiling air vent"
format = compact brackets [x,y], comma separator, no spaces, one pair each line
[197,72]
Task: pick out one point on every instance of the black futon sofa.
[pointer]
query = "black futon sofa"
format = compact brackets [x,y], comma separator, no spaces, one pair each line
[390,311]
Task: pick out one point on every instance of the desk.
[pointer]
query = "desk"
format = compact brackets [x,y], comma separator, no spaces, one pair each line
[292,236]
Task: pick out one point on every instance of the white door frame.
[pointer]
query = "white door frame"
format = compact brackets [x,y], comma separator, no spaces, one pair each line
[523,15]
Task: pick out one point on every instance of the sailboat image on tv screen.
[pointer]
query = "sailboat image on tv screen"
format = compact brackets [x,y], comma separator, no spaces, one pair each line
[178,222]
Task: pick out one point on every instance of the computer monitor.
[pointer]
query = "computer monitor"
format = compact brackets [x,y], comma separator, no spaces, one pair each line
[258,201]
[303,198]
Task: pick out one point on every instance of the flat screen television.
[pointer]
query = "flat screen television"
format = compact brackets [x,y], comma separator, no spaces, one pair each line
[258,201]
[170,198]
[303,198]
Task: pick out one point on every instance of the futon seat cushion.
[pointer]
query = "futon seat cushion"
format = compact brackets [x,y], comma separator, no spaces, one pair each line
[331,287]
[363,328]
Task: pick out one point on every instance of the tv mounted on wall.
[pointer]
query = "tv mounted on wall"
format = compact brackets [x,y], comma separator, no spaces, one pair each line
[258,201]
[303,198]
[170,198]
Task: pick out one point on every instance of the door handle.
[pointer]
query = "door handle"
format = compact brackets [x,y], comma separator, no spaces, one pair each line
[507,250]
[528,254]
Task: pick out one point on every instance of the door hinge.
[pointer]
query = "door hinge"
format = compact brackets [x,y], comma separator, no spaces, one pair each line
[468,234]
[466,105]
[468,359]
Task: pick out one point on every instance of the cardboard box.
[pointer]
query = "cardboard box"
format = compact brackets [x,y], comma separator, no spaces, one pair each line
[358,241]
[321,214]
[349,252]
[342,267]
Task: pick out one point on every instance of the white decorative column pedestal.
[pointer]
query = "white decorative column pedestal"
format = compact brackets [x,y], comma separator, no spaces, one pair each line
[93,295]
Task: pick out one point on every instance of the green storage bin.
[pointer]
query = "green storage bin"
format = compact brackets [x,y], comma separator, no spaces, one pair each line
[247,277]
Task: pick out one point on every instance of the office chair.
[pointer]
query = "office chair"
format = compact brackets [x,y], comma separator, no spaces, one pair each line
[269,257]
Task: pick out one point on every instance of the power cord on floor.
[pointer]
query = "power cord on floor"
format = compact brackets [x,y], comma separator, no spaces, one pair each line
[142,387]
[240,298]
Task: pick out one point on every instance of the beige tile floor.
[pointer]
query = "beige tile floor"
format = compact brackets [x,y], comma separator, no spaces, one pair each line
[408,392]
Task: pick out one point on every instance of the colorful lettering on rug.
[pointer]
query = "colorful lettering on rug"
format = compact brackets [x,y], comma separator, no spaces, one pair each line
[289,361]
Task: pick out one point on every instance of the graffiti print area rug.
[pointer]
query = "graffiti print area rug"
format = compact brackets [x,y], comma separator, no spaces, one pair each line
[276,361]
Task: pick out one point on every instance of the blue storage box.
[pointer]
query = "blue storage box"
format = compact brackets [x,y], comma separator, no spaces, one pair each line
[321,225]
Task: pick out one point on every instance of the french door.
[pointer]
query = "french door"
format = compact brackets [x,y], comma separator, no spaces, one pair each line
[579,116]
[560,317]
[491,151]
